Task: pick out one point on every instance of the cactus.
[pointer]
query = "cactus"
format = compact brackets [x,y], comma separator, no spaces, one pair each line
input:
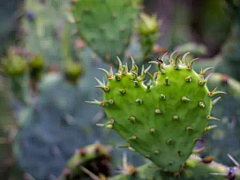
[105,25]
[195,169]
[148,30]
[93,158]
[163,119]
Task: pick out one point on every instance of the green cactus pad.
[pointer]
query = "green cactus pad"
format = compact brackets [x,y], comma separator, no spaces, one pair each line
[106,25]
[163,119]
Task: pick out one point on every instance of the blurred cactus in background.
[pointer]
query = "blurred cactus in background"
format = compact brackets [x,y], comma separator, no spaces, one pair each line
[106,26]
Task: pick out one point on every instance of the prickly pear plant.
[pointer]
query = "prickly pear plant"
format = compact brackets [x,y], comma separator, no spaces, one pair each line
[106,25]
[148,30]
[196,168]
[163,119]
[90,160]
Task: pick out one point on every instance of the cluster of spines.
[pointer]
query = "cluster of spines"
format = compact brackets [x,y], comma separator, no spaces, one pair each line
[137,79]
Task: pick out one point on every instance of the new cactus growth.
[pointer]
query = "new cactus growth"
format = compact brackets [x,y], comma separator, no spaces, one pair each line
[93,159]
[106,25]
[148,30]
[163,119]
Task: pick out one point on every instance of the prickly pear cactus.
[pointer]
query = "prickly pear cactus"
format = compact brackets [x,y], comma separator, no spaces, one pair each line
[163,119]
[93,158]
[106,25]
[195,169]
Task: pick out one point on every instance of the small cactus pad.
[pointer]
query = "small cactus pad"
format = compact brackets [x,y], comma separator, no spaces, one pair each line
[106,25]
[163,119]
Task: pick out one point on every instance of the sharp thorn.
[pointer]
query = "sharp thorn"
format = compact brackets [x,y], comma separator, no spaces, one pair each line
[233,160]
[133,61]
[101,125]
[148,68]
[197,151]
[153,62]
[191,63]
[163,56]
[212,118]
[100,103]
[99,82]
[215,101]
[176,61]
[171,57]
[104,70]
[120,63]
[203,72]
[210,127]
[214,92]
[184,57]
[207,78]
[142,72]
[109,74]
